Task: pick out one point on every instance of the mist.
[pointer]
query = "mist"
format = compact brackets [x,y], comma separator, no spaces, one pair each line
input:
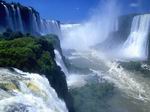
[94,29]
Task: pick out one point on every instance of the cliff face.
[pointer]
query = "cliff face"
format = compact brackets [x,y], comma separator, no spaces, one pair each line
[36,55]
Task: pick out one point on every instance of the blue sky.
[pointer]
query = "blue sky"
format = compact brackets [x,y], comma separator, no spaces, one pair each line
[78,10]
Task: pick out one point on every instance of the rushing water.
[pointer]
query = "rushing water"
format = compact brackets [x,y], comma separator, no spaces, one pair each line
[14,15]
[19,19]
[134,89]
[60,62]
[27,92]
[8,18]
[128,82]
[136,45]
[36,25]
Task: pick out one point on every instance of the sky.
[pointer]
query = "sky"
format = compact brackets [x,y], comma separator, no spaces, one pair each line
[78,10]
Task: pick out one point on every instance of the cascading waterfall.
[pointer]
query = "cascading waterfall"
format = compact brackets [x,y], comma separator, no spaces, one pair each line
[60,62]
[20,20]
[47,26]
[8,17]
[36,25]
[42,26]
[136,45]
[14,17]
[33,21]
[27,92]
[55,27]
[50,27]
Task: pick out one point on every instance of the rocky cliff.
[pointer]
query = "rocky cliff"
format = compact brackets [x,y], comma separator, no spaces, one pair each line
[36,55]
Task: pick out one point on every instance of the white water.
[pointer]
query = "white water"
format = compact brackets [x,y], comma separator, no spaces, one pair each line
[136,45]
[8,18]
[20,20]
[50,27]
[33,20]
[133,85]
[60,62]
[81,37]
[14,15]
[35,24]
[34,93]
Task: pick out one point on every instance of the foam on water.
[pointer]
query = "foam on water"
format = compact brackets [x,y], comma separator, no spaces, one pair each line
[33,93]
[129,83]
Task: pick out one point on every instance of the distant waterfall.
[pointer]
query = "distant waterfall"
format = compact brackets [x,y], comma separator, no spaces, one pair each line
[27,92]
[35,24]
[50,27]
[20,20]
[43,26]
[55,27]
[8,17]
[33,21]
[136,45]
[27,20]
[14,17]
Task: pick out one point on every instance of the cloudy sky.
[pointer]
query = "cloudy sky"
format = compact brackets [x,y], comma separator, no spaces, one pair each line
[78,10]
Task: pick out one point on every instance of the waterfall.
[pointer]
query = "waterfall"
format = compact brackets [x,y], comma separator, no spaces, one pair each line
[136,45]
[14,17]
[35,24]
[55,27]
[43,27]
[33,21]
[50,27]
[8,17]
[20,20]
[60,62]
[20,91]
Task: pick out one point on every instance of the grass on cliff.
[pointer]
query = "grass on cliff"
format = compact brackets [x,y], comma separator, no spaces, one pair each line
[27,53]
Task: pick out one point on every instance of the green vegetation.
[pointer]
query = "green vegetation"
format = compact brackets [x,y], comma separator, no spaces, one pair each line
[92,97]
[28,54]
[35,54]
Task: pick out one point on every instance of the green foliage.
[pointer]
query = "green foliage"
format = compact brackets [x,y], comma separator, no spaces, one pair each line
[46,63]
[27,53]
